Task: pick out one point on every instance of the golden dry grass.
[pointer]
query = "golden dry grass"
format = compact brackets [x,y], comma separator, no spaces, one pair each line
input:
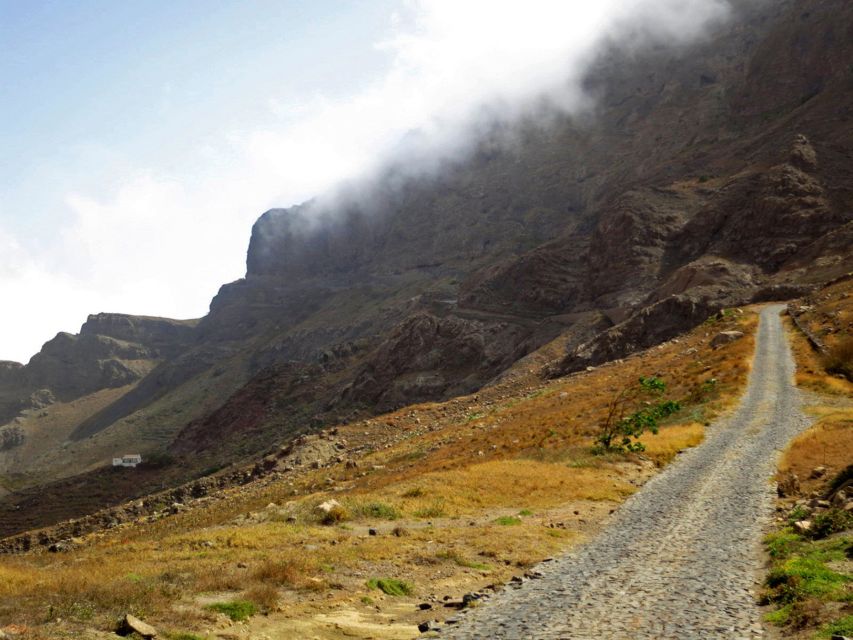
[447,472]
[829,442]
[674,439]
[506,483]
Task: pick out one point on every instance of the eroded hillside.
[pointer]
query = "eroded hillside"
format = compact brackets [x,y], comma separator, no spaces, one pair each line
[707,176]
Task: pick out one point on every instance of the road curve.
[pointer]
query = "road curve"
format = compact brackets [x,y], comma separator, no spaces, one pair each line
[680,558]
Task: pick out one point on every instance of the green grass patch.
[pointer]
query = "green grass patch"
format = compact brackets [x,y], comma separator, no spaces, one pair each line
[782,544]
[181,635]
[842,627]
[379,510]
[507,521]
[391,586]
[525,512]
[237,610]
[781,616]
[804,582]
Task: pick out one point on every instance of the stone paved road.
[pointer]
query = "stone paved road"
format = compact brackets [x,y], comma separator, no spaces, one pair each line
[680,558]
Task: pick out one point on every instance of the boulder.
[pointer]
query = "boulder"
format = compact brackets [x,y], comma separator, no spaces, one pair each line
[328,506]
[131,624]
[803,526]
[818,472]
[725,337]
[788,486]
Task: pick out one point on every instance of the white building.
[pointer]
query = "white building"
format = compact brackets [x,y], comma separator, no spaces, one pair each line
[130,460]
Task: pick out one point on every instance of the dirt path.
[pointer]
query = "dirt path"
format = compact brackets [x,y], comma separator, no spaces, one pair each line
[680,559]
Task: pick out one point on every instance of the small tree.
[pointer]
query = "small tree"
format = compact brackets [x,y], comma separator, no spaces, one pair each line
[633,411]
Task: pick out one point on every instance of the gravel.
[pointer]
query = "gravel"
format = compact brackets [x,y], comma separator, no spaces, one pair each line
[681,558]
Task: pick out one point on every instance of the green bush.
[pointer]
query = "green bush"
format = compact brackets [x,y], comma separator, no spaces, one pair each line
[829,522]
[633,411]
[391,586]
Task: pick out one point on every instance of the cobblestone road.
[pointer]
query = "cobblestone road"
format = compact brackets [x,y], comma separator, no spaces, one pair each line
[681,558]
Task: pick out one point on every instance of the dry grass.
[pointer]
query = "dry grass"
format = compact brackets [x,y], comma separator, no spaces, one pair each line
[674,439]
[443,473]
[811,371]
[294,573]
[829,443]
[839,360]
[509,484]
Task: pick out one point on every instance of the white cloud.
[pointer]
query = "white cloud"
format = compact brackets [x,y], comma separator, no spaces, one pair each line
[162,244]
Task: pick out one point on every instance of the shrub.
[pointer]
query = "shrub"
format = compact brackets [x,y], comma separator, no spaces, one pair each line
[436,510]
[829,522]
[631,413]
[798,513]
[507,521]
[265,595]
[390,586]
[284,573]
[237,610]
[839,359]
[335,515]
[377,510]
[158,460]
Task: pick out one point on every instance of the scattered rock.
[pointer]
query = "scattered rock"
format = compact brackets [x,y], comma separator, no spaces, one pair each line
[131,624]
[328,506]
[818,472]
[803,526]
[725,337]
[788,486]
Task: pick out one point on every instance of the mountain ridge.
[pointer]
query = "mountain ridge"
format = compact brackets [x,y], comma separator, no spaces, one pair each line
[709,177]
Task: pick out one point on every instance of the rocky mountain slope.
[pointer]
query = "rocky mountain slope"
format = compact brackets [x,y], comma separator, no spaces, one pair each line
[706,176]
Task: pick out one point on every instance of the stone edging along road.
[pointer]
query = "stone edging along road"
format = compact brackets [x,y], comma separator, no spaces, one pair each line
[681,558]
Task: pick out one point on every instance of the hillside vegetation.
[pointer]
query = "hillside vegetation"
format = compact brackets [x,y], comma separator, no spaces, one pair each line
[440,501]
[809,587]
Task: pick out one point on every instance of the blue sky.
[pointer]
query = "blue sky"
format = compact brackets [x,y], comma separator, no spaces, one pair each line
[89,83]
[140,139]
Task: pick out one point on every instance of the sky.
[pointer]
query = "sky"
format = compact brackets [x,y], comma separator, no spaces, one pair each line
[139,141]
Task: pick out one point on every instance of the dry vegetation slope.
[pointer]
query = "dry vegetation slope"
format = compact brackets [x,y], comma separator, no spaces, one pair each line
[460,495]
[810,582]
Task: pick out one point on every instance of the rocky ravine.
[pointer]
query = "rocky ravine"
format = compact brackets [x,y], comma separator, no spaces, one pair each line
[680,558]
